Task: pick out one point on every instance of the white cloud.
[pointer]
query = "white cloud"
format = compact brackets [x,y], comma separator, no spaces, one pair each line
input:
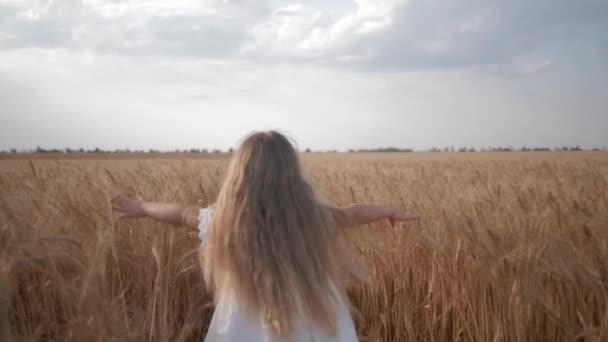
[30,14]
[290,9]
[212,28]
[307,32]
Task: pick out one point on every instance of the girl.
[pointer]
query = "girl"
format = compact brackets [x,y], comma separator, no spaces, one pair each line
[274,254]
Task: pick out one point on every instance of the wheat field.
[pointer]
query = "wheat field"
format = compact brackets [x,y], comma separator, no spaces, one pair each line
[510,247]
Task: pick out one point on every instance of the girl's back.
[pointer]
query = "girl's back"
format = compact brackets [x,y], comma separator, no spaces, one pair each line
[231,322]
[272,251]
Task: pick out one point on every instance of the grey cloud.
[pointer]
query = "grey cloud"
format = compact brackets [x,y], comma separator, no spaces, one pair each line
[440,34]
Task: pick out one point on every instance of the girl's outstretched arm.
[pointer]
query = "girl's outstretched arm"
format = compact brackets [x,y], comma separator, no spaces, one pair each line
[360,214]
[165,212]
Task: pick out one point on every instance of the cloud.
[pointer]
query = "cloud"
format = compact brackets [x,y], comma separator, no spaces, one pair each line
[431,34]
[373,35]
[536,67]
[310,34]
[209,29]
[440,34]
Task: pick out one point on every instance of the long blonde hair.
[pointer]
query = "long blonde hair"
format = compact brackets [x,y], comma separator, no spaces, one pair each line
[273,244]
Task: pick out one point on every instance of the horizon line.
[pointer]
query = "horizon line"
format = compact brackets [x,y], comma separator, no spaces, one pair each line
[40,150]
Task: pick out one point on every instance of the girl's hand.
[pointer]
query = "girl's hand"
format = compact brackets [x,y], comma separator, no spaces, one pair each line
[401,217]
[127,208]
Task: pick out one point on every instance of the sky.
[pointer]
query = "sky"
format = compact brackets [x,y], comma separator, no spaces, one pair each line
[340,74]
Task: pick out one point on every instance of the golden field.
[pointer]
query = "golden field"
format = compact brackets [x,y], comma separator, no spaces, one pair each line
[510,247]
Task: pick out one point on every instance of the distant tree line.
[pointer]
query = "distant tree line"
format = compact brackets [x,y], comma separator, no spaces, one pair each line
[382,150]
[308,150]
[99,150]
[511,149]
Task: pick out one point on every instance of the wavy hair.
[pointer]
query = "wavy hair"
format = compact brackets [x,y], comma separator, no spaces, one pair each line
[273,243]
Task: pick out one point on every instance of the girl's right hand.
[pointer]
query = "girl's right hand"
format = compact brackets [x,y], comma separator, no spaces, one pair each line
[127,208]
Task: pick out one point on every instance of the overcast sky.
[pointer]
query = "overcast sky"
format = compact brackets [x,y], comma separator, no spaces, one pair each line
[334,74]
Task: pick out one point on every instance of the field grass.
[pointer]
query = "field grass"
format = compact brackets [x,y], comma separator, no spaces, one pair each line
[510,247]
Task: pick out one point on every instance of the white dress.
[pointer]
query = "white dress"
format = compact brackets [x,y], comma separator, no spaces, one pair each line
[230,323]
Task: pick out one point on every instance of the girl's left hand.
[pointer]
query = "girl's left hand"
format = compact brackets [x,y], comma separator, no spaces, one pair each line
[401,217]
[127,207]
